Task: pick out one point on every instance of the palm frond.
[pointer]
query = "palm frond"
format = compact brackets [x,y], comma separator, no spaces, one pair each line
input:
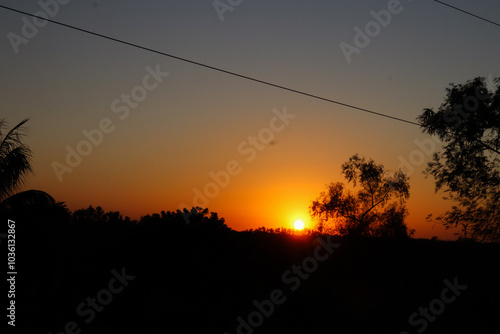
[15,159]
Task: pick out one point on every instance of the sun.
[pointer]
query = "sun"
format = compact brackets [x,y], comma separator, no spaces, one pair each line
[299,224]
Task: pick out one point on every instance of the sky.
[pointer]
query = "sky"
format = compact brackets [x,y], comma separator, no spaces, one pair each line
[151,133]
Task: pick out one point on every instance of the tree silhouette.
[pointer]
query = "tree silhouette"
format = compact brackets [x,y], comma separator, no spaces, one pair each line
[198,220]
[15,166]
[368,212]
[468,167]
[15,159]
[97,215]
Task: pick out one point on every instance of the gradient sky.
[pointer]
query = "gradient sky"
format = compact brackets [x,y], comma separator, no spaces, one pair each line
[195,120]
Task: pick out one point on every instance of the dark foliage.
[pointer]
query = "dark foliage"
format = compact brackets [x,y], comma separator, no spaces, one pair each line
[369,211]
[193,279]
[468,167]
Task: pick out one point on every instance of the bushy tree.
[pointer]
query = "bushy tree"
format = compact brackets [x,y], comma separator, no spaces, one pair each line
[97,215]
[196,219]
[369,209]
[468,167]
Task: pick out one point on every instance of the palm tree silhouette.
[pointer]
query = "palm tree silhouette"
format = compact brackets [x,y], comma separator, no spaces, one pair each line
[15,166]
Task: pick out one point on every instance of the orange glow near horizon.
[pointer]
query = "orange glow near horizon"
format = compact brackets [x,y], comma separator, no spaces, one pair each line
[243,204]
[252,153]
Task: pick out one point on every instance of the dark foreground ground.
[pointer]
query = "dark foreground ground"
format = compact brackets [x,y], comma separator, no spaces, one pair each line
[124,278]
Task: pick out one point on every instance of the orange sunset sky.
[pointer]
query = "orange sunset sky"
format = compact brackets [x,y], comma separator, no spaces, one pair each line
[163,136]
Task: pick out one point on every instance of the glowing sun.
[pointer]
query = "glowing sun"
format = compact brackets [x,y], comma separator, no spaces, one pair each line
[299,224]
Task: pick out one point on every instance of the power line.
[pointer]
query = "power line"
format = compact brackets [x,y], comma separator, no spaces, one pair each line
[214,68]
[468,13]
